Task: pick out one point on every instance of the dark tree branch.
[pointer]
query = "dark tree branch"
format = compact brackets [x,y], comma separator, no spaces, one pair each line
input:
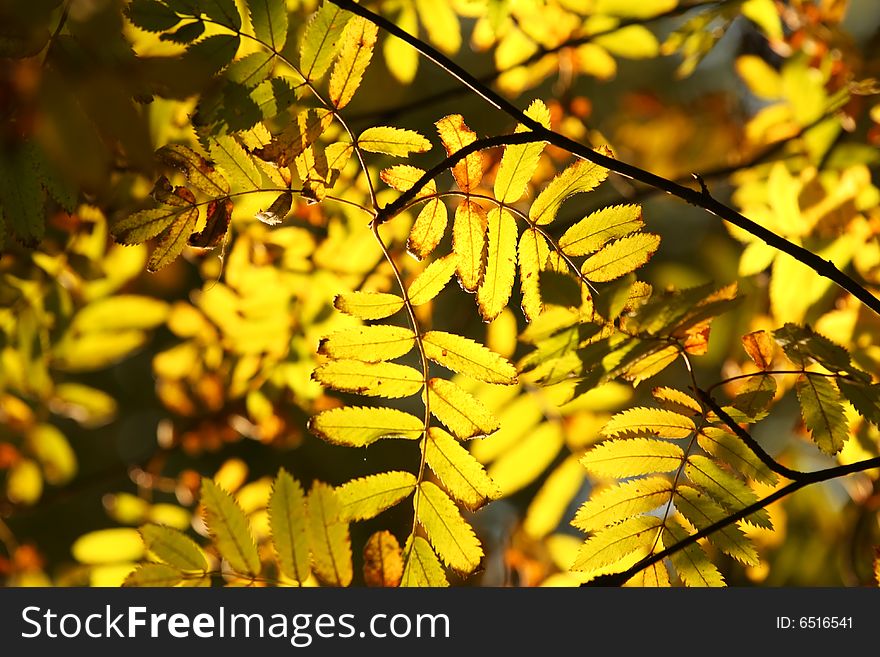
[824,268]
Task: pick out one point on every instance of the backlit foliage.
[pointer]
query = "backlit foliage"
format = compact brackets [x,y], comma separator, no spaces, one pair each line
[330,257]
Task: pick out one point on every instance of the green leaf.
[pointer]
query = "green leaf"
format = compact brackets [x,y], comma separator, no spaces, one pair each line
[289,526]
[725,487]
[461,412]
[497,284]
[822,411]
[357,51]
[460,354]
[621,257]
[633,457]
[269,20]
[173,239]
[625,500]
[173,547]
[593,232]
[649,422]
[328,536]
[691,563]
[230,530]
[393,141]
[224,12]
[154,575]
[196,168]
[452,537]
[21,197]
[185,33]
[582,176]
[756,395]
[865,399]
[803,346]
[700,511]
[251,70]
[368,305]
[357,426]
[519,161]
[729,449]
[388,380]
[322,40]
[367,497]
[422,565]
[608,547]
[459,472]
[370,344]
[151,16]
[236,163]
[432,280]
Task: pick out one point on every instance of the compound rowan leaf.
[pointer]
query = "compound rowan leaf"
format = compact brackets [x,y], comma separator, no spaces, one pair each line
[368,305]
[422,566]
[393,141]
[358,426]
[198,171]
[822,411]
[701,511]
[633,457]
[649,422]
[625,500]
[383,560]
[467,357]
[432,280]
[173,547]
[692,563]
[322,39]
[358,41]
[620,257]
[328,537]
[497,284]
[154,575]
[269,20]
[459,472]
[428,229]
[593,232]
[173,239]
[455,135]
[450,534]
[533,253]
[469,243]
[613,544]
[367,497]
[370,344]
[388,380]
[519,161]
[464,415]
[230,529]
[725,487]
[288,526]
[582,176]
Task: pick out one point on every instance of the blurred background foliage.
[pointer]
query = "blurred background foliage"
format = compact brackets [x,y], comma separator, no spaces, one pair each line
[119,388]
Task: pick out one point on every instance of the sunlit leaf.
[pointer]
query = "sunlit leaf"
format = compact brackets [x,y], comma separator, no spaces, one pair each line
[108,546]
[328,536]
[533,252]
[497,284]
[614,543]
[620,257]
[357,426]
[289,527]
[593,232]
[173,547]
[725,487]
[465,356]
[383,560]
[358,41]
[322,39]
[582,176]
[649,422]
[625,500]
[368,305]
[367,497]
[464,415]
[387,380]
[632,457]
[269,20]
[428,229]
[393,141]
[455,135]
[370,344]
[701,512]
[154,575]
[459,472]
[550,504]
[692,563]
[519,161]
[422,566]
[449,533]
[230,529]
[432,280]
[822,411]
[469,243]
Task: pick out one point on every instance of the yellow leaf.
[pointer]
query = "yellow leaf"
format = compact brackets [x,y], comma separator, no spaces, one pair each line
[760,347]
[631,458]
[497,284]
[726,488]
[387,380]
[649,422]
[328,536]
[24,482]
[701,511]
[455,135]
[321,40]
[401,59]
[461,412]
[533,252]
[368,305]
[403,176]
[230,529]
[441,22]
[452,537]
[691,563]
[383,560]
[52,449]
[108,546]
[367,497]
[632,42]
[469,243]
[761,78]
[173,547]
[625,500]
[592,232]
[582,176]
[370,344]
[654,576]
[356,426]
[620,257]
[154,575]
[358,40]
[461,474]
[519,161]
[422,566]
[393,141]
[428,229]
[121,312]
[288,526]
[432,280]
[460,354]
[629,9]
[676,400]
[521,464]
[613,544]
[730,449]
[550,503]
